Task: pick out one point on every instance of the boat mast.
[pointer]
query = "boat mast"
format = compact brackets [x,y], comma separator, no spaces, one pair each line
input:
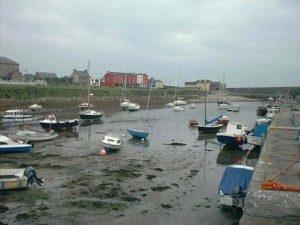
[89,82]
[205,107]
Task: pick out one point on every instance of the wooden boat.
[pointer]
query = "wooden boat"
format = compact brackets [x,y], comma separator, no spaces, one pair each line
[234,134]
[16,115]
[9,146]
[52,124]
[111,142]
[209,126]
[234,185]
[11,179]
[35,136]
[193,123]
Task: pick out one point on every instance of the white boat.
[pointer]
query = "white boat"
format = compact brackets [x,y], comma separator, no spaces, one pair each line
[11,179]
[111,142]
[87,114]
[193,105]
[170,104]
[234,134]
[16,115]
[233,108]
[234,185]
[179,102]
[7,145]
[271,113]
[178,108]
[224,106]
[35,136]
[35,107]
[133,107]
[125,104]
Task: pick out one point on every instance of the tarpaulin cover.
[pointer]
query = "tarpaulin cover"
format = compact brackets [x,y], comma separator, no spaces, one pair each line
[233,177]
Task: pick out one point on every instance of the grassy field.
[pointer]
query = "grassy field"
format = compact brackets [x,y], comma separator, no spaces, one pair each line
[17,92]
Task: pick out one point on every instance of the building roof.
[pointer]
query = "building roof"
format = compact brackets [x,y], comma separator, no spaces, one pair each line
[4,60]
[44,75]
[121,74]
[83,73]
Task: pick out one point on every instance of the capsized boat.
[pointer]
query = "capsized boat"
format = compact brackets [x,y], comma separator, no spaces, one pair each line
[111,142]
[52,124]
[9,146]
[234,134]
[138,134]
[234,185]
[34,135]
[18,178]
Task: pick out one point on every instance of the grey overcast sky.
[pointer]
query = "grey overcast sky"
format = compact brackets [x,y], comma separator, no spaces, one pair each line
[252,43]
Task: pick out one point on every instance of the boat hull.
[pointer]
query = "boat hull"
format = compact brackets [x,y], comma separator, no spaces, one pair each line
[138,134]
[202,129]
[230,140]
[11,179]
[35,136]
[59,125]
[15,148]
[90,117]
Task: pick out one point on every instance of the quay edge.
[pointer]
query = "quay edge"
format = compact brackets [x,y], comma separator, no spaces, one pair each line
[282,146]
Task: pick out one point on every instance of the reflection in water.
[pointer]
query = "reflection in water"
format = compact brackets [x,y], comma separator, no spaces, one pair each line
[206,136]
[230,156]
[138,142]
[89,122]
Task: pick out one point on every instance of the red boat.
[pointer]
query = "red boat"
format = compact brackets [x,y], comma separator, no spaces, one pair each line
[223,120]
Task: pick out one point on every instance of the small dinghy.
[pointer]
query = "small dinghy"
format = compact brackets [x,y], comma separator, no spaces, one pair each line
[35,136]
[18,178]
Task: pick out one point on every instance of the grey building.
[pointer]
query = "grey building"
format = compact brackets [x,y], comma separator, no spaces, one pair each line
[9,70]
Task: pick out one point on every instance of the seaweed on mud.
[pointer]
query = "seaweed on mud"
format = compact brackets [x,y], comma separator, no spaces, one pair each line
[166,206]
[26,196]
[160,188]
[175,144]
[158,169]
[150,177]
[123,173]
[3,209]
[96,205]
[193,173]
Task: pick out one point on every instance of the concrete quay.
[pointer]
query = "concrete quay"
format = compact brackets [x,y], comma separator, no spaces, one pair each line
[281,148]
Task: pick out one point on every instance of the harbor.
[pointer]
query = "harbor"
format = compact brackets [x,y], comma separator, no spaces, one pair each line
[171,178]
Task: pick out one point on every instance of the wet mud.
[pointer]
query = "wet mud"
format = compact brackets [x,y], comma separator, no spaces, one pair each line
[172,178]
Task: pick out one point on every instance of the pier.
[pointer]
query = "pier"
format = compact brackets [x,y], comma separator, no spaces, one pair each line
[273,196]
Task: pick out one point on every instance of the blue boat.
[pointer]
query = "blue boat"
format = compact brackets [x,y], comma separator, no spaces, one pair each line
[138,134]
[234,185]
[259,132]
[9,146]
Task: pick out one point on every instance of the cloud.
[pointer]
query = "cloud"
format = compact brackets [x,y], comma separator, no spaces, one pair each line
[247,40]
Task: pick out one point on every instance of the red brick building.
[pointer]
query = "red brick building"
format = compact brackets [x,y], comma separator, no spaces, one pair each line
[116,79]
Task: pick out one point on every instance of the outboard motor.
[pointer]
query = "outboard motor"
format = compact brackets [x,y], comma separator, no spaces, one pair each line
[238,197]
[32,177]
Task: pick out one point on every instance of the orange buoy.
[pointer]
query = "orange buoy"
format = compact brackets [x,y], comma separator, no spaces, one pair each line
[103,152]
[239,139]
